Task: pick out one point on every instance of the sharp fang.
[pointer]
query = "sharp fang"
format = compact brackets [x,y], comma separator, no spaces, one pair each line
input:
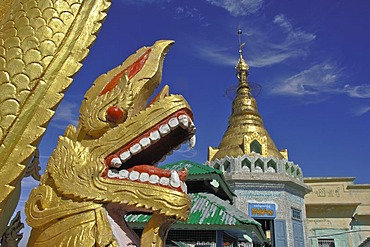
[173,123]
[184,188]
[135,148]
[153,179]
[164,129]
[174,179]
[125,155]
[123,174]
[184,121]
[164,181]
[192,141]
[155,136]
[115,162]
[134,175]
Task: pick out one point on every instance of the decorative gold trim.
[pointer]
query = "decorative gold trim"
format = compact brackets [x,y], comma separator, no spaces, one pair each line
[262,140]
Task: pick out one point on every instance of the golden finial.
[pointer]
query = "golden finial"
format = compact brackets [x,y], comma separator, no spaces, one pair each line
[242,68]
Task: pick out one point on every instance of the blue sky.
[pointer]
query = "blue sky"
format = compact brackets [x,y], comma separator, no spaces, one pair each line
[311,59]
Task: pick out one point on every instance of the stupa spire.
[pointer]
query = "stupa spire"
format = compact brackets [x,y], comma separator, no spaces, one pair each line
[242,68]
[245,133]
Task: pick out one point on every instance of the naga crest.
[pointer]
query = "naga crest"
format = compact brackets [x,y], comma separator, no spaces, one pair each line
[106,167]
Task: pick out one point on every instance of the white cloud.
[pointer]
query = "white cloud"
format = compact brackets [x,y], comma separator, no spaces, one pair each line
[266,47]
[217,55]
[360,91]
[270,57]
[295,35]
[238,7]
[292,44]
[318,78]
[67,113]
[362,111]
[188,12]
[187,152]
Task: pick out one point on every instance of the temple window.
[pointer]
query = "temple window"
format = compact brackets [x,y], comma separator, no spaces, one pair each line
[256,147]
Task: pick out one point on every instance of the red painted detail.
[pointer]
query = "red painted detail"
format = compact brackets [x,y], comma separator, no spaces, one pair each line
[116,114]
[131,70]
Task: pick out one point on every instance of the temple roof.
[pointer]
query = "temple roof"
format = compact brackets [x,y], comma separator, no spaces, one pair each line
[245,133]
[202,178]
[211,213]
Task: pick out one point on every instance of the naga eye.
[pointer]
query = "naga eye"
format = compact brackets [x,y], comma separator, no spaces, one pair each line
[116,114]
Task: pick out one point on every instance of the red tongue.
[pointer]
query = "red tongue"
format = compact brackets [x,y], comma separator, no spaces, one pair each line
[158,171]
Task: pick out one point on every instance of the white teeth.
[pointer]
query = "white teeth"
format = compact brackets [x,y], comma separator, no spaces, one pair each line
[125,155]
[164,181]
[184,188]
[135,148]
[153,179]
[173,123]
[184,121]
[192,141]
[134,175]
[116,162]
[174,179]
[154,136]
[144,177]
[123,174]
[112,174]
[164,129]
[145,142]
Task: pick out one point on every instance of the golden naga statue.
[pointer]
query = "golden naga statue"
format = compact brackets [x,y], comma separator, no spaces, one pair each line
[106,167]
[42,44]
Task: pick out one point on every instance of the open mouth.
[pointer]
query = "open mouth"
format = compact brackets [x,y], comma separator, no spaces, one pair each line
[138,160]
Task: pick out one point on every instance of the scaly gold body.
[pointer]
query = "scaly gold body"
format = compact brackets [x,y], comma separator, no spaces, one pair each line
[42,44]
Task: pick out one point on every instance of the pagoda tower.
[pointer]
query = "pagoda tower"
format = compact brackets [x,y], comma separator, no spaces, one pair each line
[245,133]
[268,187]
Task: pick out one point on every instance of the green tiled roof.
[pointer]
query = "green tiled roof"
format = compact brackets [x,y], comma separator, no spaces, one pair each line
[193,168]
[206,209]
[199,172]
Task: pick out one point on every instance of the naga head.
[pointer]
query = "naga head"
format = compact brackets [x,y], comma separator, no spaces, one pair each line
[111,157]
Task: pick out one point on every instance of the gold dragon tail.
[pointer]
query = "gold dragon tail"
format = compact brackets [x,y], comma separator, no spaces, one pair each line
[42,44]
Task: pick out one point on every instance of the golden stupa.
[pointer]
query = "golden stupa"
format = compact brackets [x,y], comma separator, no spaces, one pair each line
[245,133]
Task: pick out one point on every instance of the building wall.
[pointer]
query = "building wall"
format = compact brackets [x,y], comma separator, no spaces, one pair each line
[279,194]
[337,209]
[268,180]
